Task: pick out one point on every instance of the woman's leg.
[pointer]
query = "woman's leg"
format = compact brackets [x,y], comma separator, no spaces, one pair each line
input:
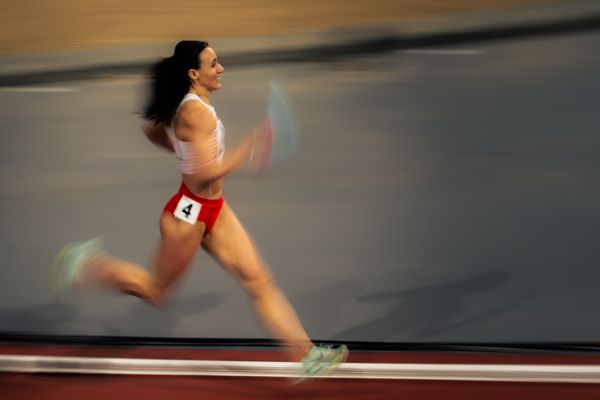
[232,247]
[174,253]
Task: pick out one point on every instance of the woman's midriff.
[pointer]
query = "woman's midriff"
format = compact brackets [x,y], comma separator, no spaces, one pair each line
[212,190]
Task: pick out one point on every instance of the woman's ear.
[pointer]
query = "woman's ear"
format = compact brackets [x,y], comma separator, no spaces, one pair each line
[193,74]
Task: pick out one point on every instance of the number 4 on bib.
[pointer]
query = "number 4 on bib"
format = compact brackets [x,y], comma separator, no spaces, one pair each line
[187,210]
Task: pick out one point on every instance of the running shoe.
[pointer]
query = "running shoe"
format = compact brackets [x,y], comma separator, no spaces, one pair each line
[322,360]
[69,262]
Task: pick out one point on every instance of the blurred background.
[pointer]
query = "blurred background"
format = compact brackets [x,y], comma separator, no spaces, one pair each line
[39,25]
[442,192]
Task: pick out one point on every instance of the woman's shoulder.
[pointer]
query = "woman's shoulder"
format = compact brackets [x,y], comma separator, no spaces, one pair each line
[195,117]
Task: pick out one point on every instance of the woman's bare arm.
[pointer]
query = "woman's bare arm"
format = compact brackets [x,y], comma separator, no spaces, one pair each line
[156,132]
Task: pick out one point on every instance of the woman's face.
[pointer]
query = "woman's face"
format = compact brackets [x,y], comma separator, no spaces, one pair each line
[210,71]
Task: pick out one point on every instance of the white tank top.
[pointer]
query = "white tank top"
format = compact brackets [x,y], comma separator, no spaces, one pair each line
[184,151]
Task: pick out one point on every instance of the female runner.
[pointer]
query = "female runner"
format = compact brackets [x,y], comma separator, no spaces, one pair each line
[181,119]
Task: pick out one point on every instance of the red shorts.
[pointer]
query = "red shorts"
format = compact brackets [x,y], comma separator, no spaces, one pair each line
[190,208]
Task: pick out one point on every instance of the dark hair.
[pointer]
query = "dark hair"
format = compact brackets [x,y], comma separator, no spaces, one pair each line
[170,80]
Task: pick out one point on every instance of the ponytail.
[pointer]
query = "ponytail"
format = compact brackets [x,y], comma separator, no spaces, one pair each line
[170,81]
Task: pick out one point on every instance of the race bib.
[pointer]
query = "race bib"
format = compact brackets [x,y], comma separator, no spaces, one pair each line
[187,210]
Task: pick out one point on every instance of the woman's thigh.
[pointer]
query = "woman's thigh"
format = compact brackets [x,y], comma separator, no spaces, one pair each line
[231,246]
[177,247]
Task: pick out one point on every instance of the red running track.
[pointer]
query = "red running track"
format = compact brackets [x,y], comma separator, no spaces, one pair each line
[88,386]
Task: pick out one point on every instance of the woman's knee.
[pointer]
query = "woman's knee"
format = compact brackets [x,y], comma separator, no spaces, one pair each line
[257,279]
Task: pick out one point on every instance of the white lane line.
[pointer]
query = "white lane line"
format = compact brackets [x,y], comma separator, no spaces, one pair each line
[38,89]
[451,372]
[446,52]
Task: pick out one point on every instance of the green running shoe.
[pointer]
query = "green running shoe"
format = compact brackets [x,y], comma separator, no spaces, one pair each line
[68,264]
[322,360]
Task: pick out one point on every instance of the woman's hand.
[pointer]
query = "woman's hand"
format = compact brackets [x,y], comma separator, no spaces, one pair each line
[259,157]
